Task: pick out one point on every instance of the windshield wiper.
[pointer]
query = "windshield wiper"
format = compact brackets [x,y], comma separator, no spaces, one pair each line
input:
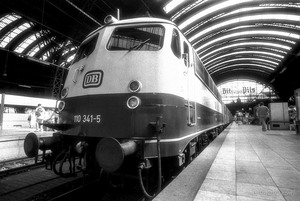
[139,45]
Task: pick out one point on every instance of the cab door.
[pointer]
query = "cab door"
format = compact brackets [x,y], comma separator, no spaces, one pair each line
[189,62]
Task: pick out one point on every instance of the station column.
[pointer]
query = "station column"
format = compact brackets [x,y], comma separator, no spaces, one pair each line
[2,111]
[297,98]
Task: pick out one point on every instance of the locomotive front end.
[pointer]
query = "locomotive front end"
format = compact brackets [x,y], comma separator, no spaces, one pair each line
[102,104]
[115,102]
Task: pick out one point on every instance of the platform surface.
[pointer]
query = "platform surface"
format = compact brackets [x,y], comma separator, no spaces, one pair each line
[248,165]
[12,142]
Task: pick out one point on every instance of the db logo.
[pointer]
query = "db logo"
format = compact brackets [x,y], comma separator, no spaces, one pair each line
[92,79]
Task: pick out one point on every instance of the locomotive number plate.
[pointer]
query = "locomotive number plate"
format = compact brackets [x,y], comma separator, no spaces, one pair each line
[87,118]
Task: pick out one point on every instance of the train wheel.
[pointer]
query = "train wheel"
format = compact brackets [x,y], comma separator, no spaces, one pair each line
[199,145]
[187,158]
[205,139]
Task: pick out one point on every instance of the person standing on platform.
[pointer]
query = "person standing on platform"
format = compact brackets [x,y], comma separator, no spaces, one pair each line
[39,113]
[262,113]
[268,122]
[29,119]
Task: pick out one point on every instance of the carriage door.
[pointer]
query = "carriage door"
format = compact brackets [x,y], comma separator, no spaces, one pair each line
[191,104]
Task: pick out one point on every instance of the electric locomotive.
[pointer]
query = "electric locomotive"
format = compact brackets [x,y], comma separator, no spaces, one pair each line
[138,92]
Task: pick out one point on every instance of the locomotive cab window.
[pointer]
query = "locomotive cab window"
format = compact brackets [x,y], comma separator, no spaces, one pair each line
[86,48]
[138,38]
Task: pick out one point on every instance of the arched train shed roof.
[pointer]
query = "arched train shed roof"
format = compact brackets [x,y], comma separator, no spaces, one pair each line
[234,38]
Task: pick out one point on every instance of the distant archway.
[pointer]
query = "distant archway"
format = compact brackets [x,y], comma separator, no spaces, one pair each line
[245,90]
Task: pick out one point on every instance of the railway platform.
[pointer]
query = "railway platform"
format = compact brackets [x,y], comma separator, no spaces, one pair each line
[19,133]
[12,142]
[242,164]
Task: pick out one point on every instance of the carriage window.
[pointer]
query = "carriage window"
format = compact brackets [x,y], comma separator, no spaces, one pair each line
[138,38]
[86,48]
[186,52]
[200,70]
[175,43]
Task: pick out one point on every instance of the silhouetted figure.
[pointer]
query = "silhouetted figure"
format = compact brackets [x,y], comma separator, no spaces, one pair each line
[263,114]
[39,113]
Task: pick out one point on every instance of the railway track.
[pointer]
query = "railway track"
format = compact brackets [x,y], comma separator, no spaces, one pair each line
[99,190]
[41,184]
[36,184]
[26,176]
[55,188]
[126,190]
[17,166]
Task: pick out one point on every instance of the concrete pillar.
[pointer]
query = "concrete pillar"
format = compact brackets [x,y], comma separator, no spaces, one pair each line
[2,110]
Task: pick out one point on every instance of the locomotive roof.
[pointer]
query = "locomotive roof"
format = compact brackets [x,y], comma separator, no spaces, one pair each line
[142,20]
[134,21]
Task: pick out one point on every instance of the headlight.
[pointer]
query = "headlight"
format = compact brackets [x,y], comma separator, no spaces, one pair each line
[135,86]
[61,105]
[133,102]
[64,92]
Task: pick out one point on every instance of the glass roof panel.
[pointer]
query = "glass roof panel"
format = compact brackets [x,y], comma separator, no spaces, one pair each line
[207,11]
[71,58]
[245,65]
[188,8]
[27,42]
[13,33]
[247,9]
[288,5]
[246,44]
[243,52]
[34,50]
[7,19]
[45,56]
[274,38]
[173,4]
[254,33]
[272,16]
[275,50]
[248,60]
[270,58]
[39,46]
[63,64]
[65,52]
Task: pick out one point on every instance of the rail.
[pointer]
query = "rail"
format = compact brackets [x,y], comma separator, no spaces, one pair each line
[17,166]
[12,140]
